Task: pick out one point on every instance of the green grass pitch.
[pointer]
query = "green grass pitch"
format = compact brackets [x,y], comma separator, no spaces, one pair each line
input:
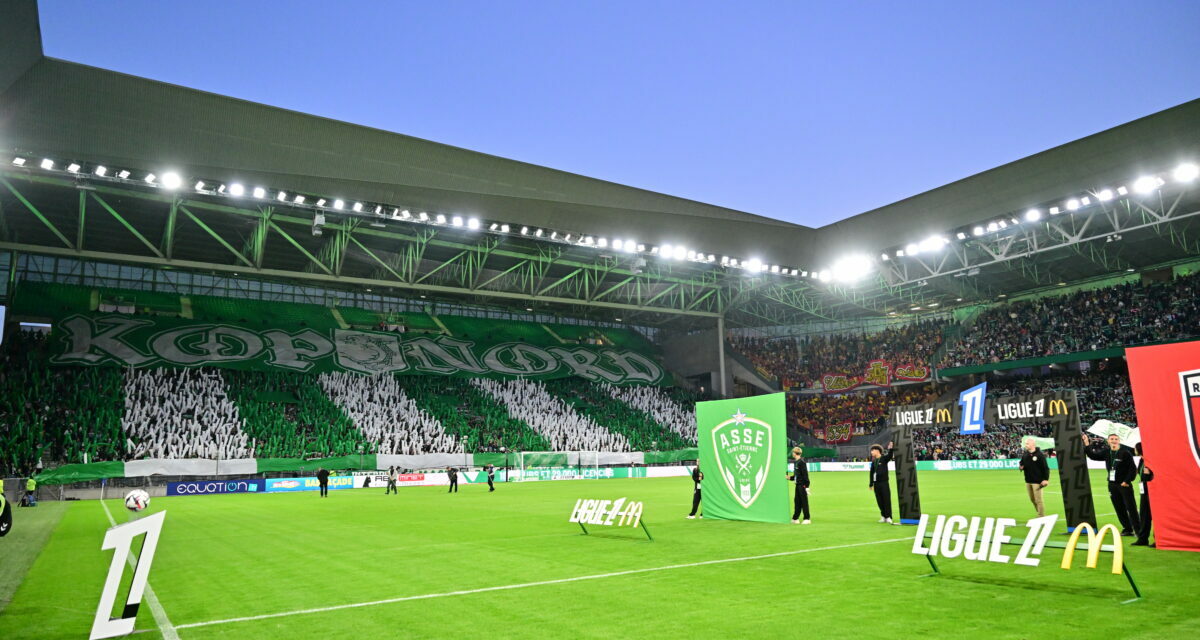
[243,556]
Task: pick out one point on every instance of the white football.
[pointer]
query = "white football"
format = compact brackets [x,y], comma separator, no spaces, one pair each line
[137,500]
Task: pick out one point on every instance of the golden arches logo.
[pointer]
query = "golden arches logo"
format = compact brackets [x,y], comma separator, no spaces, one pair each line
[1094,542]
[943,416]
[1057,407]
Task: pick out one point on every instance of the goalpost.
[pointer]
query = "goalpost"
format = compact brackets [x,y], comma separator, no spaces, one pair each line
[556,465]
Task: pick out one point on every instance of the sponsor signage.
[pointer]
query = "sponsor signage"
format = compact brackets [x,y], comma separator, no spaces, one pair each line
[209,487]
[607,513]
[126,341]
[275,485]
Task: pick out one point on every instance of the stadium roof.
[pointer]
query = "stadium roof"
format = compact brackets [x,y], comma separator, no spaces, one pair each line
[72,113]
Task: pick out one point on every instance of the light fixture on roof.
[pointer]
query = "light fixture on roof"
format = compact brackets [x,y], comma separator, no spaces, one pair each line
[774,268]
[73,168]
[19,161]
[933,244]
[150,178]
[934,304]
[1186,172]
[668,251]
[691,254]
[602,242]
[754,264]
[424,217]
[457,221]
[1085,201]
[281,196]
[441,218]
[200,185]
[321,202]
[1146,184]
[357,207]
[993,227]
[123,174]
[236,189]
[494,226]
[1055,210]
[900,253]
[1122,191]
[1104,195]
[504,228]
[852,268]
[554,235]
[912,249]
[824,276]
[641,247]
[538,233]
[171,180]
[260,192]
[524,231]
[884,257]
[473,223]
[298,199]
[962,235]
[619,244]
[339,204]
[1003,224]
[47,164]
[100,171]
[978,231]
[1072,204]
[405,214]
[378,209]
[1033,215]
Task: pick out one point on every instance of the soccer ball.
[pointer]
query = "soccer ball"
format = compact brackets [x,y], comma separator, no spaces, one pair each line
[137,500]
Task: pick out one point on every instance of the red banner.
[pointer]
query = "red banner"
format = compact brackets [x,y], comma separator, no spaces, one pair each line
[1166,395]
[837,433]
[879,373]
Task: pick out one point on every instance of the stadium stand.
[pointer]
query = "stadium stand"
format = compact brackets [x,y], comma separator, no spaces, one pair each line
[866,409]
[1122,315]
[386,415]
[643,432]
[181,413]
[472,415]
[674,411]
[563,427]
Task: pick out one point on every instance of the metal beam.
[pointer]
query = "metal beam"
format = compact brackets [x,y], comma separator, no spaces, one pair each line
[124,223]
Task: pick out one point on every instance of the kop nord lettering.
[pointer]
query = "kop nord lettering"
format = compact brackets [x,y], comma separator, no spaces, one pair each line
[120,340]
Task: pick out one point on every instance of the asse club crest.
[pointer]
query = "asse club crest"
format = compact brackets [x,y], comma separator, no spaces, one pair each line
[743,451]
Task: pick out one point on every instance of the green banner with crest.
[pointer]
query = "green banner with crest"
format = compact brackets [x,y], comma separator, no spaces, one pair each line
[744,456]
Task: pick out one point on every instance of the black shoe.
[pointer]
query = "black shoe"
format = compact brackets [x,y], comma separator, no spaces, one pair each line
[1126,533]
[1140,543]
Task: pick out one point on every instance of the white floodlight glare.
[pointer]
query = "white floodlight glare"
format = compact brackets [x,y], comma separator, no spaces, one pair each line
[150,178]
[321,202]
[993,227]
[298,200]
[1003,224]
[538,232]
[357,207]
[724,259]
[1085,201]
[1186,172]
[504,228]
[457,221]
[1122,191]
[281,196]
[691,255]
[554,235]
[680,253]
[754,264]
[602,242]
[493,226]
[473,223]
[524,231]
[619,244]
[932,244]
[221,189]
[1033,215]
[1104,195]
[73,168]
[978,231]
[668,251]
[200,185]
[236,189]
[171,180]
[962,235]
[1055,210]
[912,249]
[378,209]
[774,268]
[567,238]
[405,214]
[851,268]
[19,161]
[641,247]
[441,218]
[899,253]
[100,171]
[884,257]
[259,192]
[1146,184]
[1072,204]
[47,164]
[423,216]
[123,174]
[339,204]
[824,276]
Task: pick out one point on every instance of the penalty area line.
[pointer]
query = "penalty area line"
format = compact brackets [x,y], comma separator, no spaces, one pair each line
[597,576]
[156,608]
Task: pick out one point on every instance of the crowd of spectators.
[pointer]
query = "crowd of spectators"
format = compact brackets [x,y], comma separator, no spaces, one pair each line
[1126,314]
[561,425]
[801,361]
[679,418]
[389,419]
[643,430]
[866,410]
[181,413]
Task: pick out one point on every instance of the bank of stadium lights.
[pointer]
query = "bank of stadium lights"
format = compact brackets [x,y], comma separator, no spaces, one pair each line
[1033,215]
[236,190]
[850,269]
[1186,172]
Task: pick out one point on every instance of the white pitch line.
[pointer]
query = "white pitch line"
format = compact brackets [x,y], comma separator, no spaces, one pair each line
[506,587]
[156,609]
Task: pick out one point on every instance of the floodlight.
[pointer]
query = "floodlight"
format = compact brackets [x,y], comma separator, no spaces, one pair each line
[962,235]
[150,178]
[978,231]
[754,264]
[1122,191]
[357,207]
[601,242]
[236,189]
[1105,195]
[884,257]
[259,192]
[20,162]
[73,168]
[1055,210]
[504,228]
[47,164]
[171,180]
[200,185]
[281,196]
[100,170]
[123,174]
[298,200]
[1072,204]
[423,216]
[473,223]
[680,253]
[993,227]
[1146,184]
[338,204]
[1033,215]
[851,268]
[457,221]
[524,231]
[441,218]
[912,249]
[1186,172]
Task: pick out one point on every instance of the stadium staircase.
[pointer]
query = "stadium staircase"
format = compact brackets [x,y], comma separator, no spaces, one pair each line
[741,367]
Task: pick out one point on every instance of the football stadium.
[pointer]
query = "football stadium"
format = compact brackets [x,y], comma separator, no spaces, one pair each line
[270,375]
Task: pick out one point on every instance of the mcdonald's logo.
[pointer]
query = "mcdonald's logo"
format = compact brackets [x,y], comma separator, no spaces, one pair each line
[943,416]
[1095,541]
[1057,407]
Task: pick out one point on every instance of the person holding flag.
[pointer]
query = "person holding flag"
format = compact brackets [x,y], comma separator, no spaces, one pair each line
[697,476]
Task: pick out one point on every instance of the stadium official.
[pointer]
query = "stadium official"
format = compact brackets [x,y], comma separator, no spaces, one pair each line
[1121,469]
[1037,474]
[697,476]
[800,477]
[880,482]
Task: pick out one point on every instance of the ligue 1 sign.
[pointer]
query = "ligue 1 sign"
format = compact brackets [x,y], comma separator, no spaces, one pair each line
[120,539]
[608,513]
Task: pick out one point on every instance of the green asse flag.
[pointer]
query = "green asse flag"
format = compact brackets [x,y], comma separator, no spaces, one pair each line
[743,456]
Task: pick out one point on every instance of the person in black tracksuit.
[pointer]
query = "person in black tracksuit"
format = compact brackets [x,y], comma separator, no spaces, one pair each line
[1037,474]
[491,476]
[323,480]
[1118,462]
[1143,537]
[800,476]
[697,476]
[453,474]
[880,482]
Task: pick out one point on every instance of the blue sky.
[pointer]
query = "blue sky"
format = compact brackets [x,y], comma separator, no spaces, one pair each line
[808,112]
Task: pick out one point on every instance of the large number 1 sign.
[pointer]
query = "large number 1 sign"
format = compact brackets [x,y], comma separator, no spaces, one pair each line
[120,540]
